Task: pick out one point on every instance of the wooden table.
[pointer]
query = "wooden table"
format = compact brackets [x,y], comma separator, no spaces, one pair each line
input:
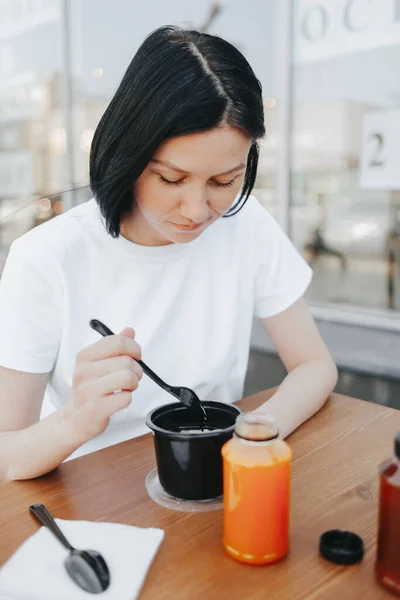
[334,485]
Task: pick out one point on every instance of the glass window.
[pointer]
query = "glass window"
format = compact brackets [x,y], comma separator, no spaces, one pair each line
[32,133]
[347,221]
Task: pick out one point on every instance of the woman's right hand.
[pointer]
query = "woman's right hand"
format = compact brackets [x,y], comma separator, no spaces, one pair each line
[106,373]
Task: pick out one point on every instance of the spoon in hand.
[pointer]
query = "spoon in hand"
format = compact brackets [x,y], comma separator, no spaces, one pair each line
[187,396]
[86,567]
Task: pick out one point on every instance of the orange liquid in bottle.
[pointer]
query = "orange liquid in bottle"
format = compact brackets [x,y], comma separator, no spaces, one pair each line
[256,493]
[388,556]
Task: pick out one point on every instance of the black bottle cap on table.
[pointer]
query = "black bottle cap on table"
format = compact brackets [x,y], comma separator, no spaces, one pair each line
[397,445]
[341,547]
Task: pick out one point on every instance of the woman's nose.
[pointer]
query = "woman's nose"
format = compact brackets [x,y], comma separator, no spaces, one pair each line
[194,206]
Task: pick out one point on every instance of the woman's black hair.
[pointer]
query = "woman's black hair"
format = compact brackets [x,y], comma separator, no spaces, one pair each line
[179,82]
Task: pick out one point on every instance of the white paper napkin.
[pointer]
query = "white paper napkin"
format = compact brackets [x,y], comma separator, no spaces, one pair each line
[36,570]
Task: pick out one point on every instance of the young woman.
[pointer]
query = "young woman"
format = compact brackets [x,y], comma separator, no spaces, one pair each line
[172,245]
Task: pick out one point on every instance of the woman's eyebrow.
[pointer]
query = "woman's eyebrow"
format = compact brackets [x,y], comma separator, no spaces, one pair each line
[168,164]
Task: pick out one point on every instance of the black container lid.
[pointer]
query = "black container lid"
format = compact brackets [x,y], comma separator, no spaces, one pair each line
[341,547]
[397,445]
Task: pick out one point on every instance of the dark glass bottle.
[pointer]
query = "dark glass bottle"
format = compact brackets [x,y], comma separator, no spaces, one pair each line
[388,555]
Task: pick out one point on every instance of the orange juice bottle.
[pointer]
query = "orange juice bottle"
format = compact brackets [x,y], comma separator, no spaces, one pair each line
[256,480]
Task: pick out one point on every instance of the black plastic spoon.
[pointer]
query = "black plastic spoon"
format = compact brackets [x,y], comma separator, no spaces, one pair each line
[187,396]
[87,568]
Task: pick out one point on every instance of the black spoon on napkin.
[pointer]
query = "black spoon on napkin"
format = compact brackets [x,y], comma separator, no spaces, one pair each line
[86,567]
[187,396]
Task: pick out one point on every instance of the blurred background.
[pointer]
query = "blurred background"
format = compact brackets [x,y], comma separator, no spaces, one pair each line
[330,163]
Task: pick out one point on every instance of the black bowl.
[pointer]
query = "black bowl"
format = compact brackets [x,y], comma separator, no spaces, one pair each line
[190,464]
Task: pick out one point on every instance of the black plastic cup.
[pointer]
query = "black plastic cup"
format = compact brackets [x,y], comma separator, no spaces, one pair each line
[190,464]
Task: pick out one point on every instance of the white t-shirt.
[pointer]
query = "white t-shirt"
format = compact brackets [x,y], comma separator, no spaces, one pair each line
[191,305]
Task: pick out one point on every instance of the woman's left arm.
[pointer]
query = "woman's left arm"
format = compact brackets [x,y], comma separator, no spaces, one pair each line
[312,373]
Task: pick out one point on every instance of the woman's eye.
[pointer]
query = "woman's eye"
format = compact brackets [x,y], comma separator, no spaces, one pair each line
[225,185]
[169,182]
[228,184]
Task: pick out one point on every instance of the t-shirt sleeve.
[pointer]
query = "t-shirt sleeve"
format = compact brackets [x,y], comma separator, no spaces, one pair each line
[282,275]
[31,308]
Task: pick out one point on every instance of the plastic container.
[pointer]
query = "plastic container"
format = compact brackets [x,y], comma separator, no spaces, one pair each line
[256,468]
[190,464]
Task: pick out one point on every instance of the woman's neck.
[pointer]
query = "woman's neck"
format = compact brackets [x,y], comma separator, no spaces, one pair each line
[135,228]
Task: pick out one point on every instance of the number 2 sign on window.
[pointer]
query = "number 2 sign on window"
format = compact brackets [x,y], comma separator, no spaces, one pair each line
[376,158]
[380,159]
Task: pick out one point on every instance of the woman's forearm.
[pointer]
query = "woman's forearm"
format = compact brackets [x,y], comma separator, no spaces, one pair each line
[38,449]
[301,394]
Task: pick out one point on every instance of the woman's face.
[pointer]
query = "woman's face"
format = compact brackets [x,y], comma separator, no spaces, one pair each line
[191,182]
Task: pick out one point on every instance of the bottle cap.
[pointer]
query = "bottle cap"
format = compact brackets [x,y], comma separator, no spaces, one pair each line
[341,547]
[397,445]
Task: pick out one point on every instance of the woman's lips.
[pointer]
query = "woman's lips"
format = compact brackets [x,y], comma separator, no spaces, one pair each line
[189,228]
